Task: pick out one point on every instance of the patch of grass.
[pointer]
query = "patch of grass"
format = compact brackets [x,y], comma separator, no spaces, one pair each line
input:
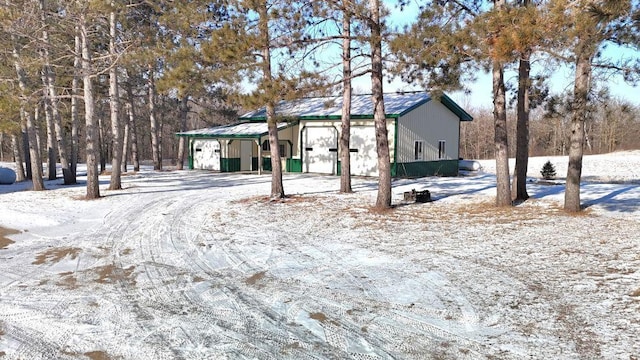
[4,241]
[97,355]
[288,199]
[636,293]
[110,274]
[68,280]
[56,254]
[318,316]
[253,279]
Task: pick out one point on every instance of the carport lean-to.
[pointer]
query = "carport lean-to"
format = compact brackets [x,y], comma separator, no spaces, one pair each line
[229,148]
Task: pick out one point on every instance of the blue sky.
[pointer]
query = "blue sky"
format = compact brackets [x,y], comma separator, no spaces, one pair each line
[481,93]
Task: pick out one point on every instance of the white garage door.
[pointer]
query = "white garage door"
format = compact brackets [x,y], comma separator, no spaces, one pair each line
[206,154]
[364,158]
[320,150]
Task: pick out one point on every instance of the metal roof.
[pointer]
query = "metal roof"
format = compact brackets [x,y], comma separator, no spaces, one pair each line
[241,130]
[395,105]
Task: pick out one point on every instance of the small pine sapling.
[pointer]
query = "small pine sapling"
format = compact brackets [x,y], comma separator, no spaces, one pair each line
[548,171]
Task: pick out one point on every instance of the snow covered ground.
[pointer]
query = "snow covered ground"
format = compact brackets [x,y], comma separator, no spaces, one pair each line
[198,265]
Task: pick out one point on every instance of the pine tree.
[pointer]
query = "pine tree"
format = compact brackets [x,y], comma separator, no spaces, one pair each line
[244,47]
[590,25]
[548,171]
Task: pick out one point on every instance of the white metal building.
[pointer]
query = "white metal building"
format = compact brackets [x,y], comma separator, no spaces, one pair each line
[424,136]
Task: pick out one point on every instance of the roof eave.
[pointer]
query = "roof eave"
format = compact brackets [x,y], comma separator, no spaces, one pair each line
[455,108]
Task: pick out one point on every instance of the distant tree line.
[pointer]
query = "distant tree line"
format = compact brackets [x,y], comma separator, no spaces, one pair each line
[612,125]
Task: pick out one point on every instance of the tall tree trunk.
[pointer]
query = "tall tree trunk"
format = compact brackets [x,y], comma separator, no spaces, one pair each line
[184,111]
[34,152]
[503,188]
[345,134]
[581,90]
[17,156]
[51,99]
[155,141]
[36,121]
[61,143]
[51,150]
[277,186]
[125,145]
[75,93]
[114,103]
[135,157]
[46,99]
[522,129]
[29,124]
[25,146]
[93,184]
[383,200]
[102,144]
[503,195]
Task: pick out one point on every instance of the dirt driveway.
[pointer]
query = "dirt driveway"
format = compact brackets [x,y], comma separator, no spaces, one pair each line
[196,265]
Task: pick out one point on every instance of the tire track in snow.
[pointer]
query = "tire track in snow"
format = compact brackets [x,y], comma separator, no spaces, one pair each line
[48,299]
[336,304]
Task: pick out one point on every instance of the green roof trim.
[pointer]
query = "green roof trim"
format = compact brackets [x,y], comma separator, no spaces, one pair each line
[455,108]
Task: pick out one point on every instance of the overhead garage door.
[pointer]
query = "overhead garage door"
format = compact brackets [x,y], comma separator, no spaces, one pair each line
[206,154]
[320,149]
[364,158]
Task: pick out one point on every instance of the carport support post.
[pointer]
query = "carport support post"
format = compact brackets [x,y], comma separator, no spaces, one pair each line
[259,156]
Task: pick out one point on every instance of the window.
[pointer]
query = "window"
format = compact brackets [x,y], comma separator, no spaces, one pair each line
[418,154]
[283,147]
[441,149]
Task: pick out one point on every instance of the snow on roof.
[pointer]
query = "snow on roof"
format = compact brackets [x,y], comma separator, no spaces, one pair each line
[245,129]
[361,105]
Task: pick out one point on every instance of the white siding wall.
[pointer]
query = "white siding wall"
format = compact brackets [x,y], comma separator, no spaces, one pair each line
[233,149]
[338,126]
[430,122]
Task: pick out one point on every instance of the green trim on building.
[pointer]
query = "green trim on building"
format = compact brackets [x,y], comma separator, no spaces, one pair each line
[229,164]
[394,165]
[294,165]
[427,168]
[266,164]
[455,108]
[190,155]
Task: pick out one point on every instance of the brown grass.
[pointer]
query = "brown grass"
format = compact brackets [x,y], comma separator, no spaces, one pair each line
[56,254]
[110,274]
[288,199]
[4,241]
[253,279]
[92,355]
[318,316]
[68,280]
[97,355]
